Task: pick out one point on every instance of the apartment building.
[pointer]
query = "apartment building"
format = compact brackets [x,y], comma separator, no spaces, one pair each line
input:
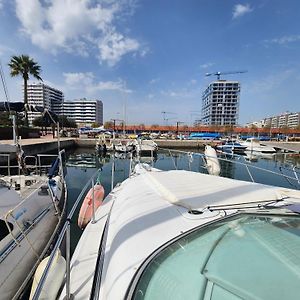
[291,120]
[220,103]
[43,95]
[83,111]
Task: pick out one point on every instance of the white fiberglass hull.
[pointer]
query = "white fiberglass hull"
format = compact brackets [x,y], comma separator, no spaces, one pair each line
[147,210]
[35,223]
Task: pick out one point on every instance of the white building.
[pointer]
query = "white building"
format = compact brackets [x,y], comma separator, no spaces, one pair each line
[291,120]
[220,103]
[43,95]
[84,112]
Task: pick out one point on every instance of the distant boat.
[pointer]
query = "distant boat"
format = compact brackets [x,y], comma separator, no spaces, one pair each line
[254,145]
[146,147]
[125,148]
[232,147]
[204,136]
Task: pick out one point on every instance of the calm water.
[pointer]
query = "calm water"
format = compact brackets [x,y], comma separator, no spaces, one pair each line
[83,163]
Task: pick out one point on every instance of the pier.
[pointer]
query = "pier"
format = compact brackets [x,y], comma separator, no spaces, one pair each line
[49,144]
[293,147]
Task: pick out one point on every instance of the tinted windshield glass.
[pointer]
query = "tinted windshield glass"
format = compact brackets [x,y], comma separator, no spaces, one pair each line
[249,257]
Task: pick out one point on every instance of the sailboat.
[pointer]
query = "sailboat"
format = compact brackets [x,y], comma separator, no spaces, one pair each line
[32,211]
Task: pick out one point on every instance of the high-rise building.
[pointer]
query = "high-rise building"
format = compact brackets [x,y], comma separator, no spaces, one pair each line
[291,120]
[84,112]
[220,103]
[43,95]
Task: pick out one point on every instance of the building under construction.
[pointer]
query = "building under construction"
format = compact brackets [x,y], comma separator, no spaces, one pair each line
[220,103]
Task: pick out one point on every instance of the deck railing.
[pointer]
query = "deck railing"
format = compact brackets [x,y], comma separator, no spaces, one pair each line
[239,160]
[65,235]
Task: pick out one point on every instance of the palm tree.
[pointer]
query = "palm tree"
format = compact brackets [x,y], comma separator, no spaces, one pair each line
[24,65]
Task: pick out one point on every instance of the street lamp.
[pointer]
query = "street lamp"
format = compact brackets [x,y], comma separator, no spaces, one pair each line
[177,123]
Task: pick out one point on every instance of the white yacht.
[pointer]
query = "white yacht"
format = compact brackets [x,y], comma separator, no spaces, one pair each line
[254,145]
[185,235]
[145,147]
[32,211]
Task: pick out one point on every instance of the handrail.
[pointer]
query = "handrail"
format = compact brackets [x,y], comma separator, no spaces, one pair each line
[65,231]
[37,166]
[246,165]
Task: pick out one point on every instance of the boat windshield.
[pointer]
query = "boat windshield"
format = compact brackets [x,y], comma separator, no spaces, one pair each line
[246,257]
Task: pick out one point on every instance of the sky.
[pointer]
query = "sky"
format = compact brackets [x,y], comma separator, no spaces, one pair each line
[145,57]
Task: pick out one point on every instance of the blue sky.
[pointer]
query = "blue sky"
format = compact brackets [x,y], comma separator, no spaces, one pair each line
[151,56]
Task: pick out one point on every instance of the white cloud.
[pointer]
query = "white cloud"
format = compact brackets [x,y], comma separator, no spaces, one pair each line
[285,39]
[77,26]
[269,83]
[154,80]
[239,10]
[86,81]
[207,65]
[114,45]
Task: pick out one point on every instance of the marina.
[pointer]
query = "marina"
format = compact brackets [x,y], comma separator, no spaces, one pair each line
[113,168]
[145,157]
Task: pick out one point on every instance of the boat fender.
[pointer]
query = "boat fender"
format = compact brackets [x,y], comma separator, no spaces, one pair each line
[54,279]
[212,162]
[86,210]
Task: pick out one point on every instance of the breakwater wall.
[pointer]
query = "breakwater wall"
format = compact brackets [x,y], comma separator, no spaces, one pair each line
[35,146]
[33,149]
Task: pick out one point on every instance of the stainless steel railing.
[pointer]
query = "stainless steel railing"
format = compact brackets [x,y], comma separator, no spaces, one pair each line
[65,232]
[246,165]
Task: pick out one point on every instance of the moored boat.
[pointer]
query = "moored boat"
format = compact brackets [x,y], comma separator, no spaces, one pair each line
[146,147]
[254,145]
[32,210]
[221,233]
[232,147]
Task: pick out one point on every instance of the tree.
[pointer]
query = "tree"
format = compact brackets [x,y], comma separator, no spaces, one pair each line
[46,122]
[6,121]
[39,122]
[108,125]
[95,125]
[24,66]
[66,122]
[153,126]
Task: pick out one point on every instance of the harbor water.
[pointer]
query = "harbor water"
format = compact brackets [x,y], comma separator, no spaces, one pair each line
[82,163]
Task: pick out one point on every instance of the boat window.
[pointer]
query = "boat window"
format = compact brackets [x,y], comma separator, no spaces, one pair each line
[4,230]
[246,257]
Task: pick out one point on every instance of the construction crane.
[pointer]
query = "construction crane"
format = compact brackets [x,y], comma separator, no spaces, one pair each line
[218,74]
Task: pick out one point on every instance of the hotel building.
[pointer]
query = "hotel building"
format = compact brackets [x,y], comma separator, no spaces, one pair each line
[220,103]
[84,112]
[43,95]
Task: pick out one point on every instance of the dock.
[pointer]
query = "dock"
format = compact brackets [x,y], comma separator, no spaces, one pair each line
[48,144]
[292,147]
